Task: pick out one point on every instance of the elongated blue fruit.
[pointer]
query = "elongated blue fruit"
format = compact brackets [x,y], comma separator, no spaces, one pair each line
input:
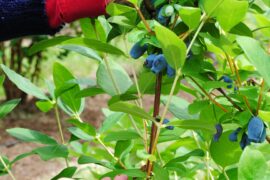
[244,141]
[162,19]
[256,130]
[138,50]
[149,61]
[159,64]
[218,134]
[234,134]
[170,71]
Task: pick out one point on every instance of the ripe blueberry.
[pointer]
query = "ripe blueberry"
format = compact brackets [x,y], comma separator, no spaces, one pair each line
[256,130]
[234,134]
[170,71]
[227,79]
[159,64]
[138,50]
[166,121]
[162,19]
[244,141]
[149,61]
[219,130]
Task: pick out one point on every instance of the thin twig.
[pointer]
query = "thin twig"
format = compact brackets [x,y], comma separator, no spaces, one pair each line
[59,124]
[208,95]
[110,153]
[6,168]
[260,97]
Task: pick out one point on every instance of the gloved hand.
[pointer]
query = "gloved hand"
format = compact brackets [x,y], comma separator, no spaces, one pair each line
[66,11]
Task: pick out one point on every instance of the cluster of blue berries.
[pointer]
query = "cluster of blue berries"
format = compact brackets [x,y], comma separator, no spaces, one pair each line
[256,132]
[166,121]
[156,62]
[228,80]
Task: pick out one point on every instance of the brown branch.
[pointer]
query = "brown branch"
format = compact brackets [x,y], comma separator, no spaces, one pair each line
[260,97]
[149,165]
[209,96]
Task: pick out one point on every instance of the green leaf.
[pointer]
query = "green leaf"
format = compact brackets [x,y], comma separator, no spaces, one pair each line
[90,160]
[110,121]
[191,16]
[179,108]
[46,44]
[28,135]
[131,109]
[24,84]
[85,127]
[85,51]
[128,172]
[228,12]
[7,107]
[95,45]
[230,155]
[66,173]
[3,170]
[196,152]
[80,134]
[114,9]
[51,152]
[61,76]
[242,30]
[121,136]
[89,92]
[256,55]
[120,76]
[45,106]
[122,148]
[194,125]
[174,49]
[160,173]
[252,165]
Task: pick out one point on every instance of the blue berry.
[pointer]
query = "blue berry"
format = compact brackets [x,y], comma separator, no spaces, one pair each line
[138,50]
[170,71]
[166,121]
[227,79]
[162,19]
[234,134]
[159,64]
[256,130]
[218,133]
[168,10]
[244,141]
[149,61]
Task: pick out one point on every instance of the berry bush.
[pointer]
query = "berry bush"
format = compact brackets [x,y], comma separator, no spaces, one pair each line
[216,52]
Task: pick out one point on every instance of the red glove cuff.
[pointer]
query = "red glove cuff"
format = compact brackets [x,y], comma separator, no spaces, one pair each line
[66,11]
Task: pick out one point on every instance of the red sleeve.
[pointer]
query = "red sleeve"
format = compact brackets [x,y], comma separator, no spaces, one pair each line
[66,11]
